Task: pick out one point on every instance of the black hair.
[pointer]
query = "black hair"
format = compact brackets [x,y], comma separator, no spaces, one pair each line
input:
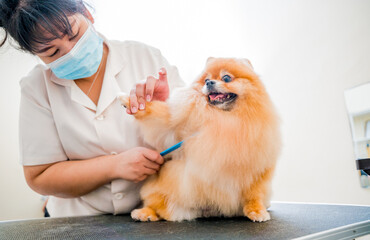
[27,20]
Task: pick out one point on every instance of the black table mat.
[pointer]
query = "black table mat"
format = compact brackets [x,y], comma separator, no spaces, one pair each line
[289,220]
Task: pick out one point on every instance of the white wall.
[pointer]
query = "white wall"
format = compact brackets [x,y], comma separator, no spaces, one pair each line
[17,200]
[358,99]
[306,52]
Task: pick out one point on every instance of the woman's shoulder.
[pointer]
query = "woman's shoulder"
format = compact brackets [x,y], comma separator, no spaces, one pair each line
[33,85]
[35,77]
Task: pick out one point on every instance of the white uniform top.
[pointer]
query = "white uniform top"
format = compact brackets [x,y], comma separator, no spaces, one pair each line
[56,125]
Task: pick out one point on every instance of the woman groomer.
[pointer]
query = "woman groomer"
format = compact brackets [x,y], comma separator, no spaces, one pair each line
[77,144]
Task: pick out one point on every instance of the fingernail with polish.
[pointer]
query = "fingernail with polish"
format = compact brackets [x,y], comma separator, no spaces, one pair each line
[133,110]
[142,106]
[148,98]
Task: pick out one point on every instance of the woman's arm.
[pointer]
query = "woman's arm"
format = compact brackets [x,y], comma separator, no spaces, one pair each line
[70,179]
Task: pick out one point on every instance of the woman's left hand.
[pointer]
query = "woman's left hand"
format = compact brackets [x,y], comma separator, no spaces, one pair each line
[152,89]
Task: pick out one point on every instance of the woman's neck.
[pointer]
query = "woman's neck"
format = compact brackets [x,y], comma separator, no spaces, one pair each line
[92,85]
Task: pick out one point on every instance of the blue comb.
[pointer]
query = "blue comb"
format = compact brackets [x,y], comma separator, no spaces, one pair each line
[171,149]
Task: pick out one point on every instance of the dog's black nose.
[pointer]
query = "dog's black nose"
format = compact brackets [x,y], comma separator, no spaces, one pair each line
[210,83]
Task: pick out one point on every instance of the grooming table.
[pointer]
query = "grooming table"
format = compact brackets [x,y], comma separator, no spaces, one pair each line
[289,220]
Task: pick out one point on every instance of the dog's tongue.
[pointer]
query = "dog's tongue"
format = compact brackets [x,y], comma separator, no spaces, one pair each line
[214,96]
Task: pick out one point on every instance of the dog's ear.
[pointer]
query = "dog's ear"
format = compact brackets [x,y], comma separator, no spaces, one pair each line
[210,59]
[247,62]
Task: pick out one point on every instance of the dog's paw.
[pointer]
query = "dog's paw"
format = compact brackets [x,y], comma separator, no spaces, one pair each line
[258,216]
[125,100]
[144,215]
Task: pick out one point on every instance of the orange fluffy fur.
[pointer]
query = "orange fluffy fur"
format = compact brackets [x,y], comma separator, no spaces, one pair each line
[225,166]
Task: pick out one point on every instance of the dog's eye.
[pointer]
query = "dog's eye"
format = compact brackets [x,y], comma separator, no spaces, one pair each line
[226,78]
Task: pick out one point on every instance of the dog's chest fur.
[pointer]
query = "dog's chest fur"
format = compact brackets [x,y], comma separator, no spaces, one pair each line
[211,192]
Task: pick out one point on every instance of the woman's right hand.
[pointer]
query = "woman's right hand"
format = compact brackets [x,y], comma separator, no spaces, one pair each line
[137,164]
[70,179]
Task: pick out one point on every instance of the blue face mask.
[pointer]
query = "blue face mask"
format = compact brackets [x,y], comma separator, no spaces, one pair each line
[82,60]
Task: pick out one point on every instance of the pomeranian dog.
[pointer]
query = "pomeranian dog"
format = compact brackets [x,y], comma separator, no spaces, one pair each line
[232,142]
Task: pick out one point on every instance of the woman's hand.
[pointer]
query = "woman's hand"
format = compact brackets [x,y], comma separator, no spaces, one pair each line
[70,179]
[137,164]
[152,89]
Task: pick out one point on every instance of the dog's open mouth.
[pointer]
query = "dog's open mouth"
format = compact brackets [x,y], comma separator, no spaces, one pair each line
[219,98]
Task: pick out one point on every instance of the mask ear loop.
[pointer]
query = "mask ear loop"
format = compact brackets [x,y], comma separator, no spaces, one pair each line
[90,24]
